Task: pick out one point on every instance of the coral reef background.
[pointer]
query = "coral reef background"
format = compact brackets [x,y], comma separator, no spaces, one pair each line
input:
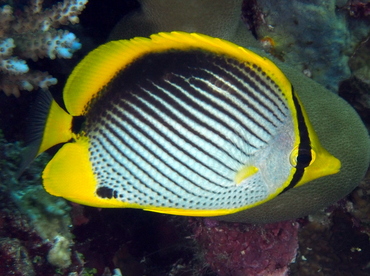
[44,235]
[31,33]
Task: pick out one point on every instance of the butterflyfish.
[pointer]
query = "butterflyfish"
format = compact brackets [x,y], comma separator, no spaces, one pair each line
[179,123]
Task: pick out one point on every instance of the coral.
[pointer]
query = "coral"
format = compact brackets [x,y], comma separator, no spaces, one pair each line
[316,37]
[14,255]
[356,90]
[33,34]
[49,215]
[245,249]
[360,198]
[50,218]
[35,237]
[60,254]
[334,246]
[21,248]
[136,242]
[357,8]
[336,240]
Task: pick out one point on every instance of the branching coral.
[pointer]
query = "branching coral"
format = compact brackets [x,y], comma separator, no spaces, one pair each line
[33,34]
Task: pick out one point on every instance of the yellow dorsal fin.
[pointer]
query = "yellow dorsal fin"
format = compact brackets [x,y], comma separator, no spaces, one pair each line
[101,65]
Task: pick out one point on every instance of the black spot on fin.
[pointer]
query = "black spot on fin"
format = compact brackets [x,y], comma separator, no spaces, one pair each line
[105,192]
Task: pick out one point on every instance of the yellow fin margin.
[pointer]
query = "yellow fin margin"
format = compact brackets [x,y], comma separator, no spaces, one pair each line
[102,64]
[206,213]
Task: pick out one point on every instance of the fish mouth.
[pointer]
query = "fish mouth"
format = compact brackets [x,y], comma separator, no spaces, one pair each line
[325,164]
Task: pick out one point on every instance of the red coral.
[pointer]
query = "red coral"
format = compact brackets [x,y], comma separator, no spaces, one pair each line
[245,249]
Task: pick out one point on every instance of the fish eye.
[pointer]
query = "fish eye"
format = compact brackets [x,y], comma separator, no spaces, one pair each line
[304,157]
[293,157]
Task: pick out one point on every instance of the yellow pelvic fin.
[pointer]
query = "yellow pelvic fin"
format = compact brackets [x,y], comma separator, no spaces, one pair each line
[244,173]
[98,68]
[58,127]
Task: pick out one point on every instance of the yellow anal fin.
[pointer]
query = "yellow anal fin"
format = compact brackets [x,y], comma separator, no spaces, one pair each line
[244,173]
[70,175]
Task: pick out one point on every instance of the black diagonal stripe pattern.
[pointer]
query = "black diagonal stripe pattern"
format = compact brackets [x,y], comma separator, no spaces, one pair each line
[179,132]
[149,116]
[152,146]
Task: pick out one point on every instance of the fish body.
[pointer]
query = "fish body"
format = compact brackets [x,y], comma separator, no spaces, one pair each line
[180,123]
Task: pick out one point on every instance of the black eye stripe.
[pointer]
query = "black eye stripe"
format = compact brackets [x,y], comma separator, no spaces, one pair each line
[304,157]
[304,149]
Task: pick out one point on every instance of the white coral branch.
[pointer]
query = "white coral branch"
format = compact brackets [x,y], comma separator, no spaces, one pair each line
[13,84]
[32,34]
[51,44]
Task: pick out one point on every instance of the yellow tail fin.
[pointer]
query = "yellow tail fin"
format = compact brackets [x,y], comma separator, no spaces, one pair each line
[49,125]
